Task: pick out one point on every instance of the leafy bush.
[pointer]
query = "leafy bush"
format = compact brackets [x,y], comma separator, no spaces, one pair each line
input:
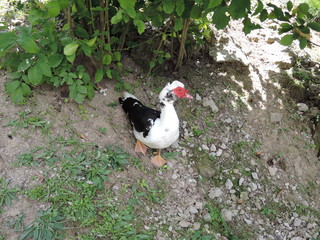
[78,43]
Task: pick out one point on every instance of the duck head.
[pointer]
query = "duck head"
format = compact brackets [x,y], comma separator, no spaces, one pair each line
[172,91]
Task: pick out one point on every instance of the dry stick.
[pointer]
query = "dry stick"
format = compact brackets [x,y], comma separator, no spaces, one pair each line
[102,23]
[160,45]
[123,36]
[182,51]
[107,22]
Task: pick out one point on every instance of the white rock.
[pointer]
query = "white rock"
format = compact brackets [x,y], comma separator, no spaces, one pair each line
[228,184]
[254,175]
[297,222]
[244,196]
[226,215]
[192,210]
[213,148]
[198,97]
[205,147]
[219,152]
[175,144]
[228,120]
[241,180]
[272,171]
[223,146]
[247,221]
[215,193]
[302,107]
[311,225]
[253,186]
[175,176]
[275,117]
[196,226]
[209,102]
[184,224]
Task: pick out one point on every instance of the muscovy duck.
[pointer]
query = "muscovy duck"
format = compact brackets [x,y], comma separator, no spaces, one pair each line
[152,128]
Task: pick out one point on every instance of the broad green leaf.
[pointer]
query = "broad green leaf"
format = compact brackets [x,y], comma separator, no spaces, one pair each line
[81,89]
[55,60]
[239,8]
[178,24]
[17,95]
[263,15]
[25,89]
[128,6]
[157,20]
[314,26]
[195,12]
[24,65]
[304,29]
[118,17]
[140,24]
[12,86]
[70,49]
[53,9]
[28,44]
[107,47]
[277,13]
[152,64]
[303,8]
[90,92]
[285,27]
[214,3]
[248,26]
[259,8]
[180,7]
[35,75]
[35,15]
[7,40]
[219,18]
[107,59]
[44,68]
[302,42]
[91,42]
[168,6]
[289,5]
[73,91]
[117,55]
[109,73]
[15,75]
[287,40]
[98,76]
[71,58]
[79,98]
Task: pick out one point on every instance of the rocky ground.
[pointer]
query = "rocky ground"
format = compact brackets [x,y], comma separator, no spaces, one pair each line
[246,167]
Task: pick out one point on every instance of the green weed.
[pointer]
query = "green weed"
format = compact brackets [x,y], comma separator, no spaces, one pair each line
[7,195]
[17,223]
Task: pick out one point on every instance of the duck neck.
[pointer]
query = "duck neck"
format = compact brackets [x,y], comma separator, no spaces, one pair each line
[168,113]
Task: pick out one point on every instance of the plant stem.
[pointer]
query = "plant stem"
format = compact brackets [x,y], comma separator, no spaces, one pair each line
[182,51]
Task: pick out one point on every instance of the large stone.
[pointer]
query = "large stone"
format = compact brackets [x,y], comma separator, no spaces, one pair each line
[275,117]
[226,215]
[209,102]
[302,107]
[215,193]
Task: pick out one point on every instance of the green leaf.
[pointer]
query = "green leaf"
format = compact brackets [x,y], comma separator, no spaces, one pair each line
[81,89]
[55,60]
[302,42]
[44,68]
[107,59]
[287,39]
[285,27]
[91,42]
[79,98]
[157,20]
[168,6]
[180,7]
[12,86]
[70,49]
[314,26]
[214,3]
[7,40]
[98,76]
[219,18]
[53,9]
[118,17]
[128,6]
[289,5]
[28,44]
[24,65]
[259,8]
[35,75]
[239,8]
[304,29]
[140,24]
[25,89]
[17,95]
[71,58]
[109,73]
[90,92]
[263,15]
[248,26]
[195,12]
[152,64]
[117,55]
[15,75]
[303,8]
[178,24]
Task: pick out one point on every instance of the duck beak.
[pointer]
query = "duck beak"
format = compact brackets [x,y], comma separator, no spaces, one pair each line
[188,96]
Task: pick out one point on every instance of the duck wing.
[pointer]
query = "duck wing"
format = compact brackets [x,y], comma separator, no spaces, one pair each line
[141,118]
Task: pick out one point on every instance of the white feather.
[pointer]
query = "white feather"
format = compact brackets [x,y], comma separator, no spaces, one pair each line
[128,95]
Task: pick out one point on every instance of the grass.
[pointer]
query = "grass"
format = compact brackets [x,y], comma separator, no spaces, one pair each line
[7,195]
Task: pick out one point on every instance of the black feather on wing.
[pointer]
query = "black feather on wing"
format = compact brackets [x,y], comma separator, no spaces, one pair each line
[141,117]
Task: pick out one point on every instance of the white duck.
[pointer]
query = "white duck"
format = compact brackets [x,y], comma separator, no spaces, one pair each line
[152,128]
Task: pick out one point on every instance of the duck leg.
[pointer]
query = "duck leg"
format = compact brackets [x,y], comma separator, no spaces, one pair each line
[140,147]
[158,160]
